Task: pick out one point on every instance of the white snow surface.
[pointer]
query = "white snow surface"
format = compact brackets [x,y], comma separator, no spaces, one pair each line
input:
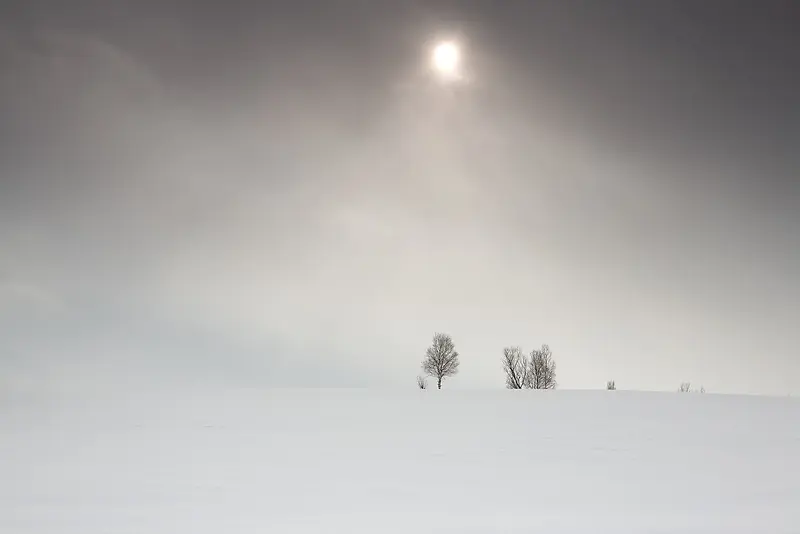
[371,461]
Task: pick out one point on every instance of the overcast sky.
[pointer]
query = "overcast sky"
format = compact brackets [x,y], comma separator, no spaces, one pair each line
[253,194]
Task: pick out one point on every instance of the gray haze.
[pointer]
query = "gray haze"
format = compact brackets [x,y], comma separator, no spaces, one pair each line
[280,194]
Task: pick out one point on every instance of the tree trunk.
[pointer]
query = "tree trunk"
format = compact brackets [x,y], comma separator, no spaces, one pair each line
[439,382]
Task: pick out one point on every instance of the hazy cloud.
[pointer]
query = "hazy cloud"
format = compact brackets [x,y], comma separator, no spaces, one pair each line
[212,202]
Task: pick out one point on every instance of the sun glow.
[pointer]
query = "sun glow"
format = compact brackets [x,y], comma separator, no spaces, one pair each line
[446,59]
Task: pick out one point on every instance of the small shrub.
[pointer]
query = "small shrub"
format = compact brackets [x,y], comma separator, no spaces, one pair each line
[422,383]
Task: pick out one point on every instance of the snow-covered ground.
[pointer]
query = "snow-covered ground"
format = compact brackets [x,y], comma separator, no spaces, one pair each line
[412,461]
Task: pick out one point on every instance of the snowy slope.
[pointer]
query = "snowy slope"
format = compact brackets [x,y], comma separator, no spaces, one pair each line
[414,461]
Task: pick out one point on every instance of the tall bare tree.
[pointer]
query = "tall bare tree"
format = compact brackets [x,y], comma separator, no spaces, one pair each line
[515,364]
[441,358]
[542,369]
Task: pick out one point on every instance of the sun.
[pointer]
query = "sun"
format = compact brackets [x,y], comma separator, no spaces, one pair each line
[446,59]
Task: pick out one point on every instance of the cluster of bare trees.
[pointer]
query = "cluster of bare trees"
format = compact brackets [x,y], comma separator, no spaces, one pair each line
[534,371]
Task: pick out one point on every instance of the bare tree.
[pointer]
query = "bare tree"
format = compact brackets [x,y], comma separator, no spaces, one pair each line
[421,382]
[515,365]
[611,385]
[441,358]
[542,369]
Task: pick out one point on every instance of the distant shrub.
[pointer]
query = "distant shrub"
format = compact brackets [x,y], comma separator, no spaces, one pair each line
[686,387]
[422,383]
[611,385]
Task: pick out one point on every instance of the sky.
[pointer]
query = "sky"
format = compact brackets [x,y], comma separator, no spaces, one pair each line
[283,194]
